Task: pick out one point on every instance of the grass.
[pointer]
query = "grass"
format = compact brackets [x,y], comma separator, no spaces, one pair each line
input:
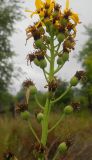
[16,136]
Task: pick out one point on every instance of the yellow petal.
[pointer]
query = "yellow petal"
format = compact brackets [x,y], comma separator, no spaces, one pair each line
[75,17]
[48,1]
[51,7]
[28,10]
[38,4]
[67,4]
[33,13]
[74,34]
[42,13]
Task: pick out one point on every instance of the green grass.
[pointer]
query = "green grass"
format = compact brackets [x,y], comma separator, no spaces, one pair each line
[16,136]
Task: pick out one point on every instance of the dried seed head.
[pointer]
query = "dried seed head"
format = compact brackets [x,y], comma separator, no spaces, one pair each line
[21,107]
[80,75]
[57,7]
[76,106]
[30,58]
[27,83]
[52,85]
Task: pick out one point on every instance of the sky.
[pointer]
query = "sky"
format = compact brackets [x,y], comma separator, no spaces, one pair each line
[18,40]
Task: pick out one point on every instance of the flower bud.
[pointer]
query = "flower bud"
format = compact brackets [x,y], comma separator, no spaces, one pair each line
[60,37]
[65,56]
[74,81]
[60,61]
[40,117]
[62,148]
[36,62]
[39,44]
[42,63]
[68,109]
[25,115]
[33,90]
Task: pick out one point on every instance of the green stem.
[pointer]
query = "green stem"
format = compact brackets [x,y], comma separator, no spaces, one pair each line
[33,131]
[46,72]
[37,101]
[47,57]
[62,95]
[45,123]
[45,75]
[57,123]
[58,68]
[52,59]
[58,47]
[48,104]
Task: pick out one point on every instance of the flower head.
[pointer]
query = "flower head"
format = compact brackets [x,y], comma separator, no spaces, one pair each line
[72,15]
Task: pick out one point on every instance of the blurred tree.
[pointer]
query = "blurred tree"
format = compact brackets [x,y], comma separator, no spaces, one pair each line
[10,12]
[85,57]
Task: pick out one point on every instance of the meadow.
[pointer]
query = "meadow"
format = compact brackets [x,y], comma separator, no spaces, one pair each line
[15,136]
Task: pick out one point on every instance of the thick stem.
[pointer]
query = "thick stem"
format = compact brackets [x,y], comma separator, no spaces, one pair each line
[52,59]
[47,105]
[45,123]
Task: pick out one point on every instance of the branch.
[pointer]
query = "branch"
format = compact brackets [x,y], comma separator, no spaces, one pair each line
[58,68]
[45,75]
[62,95]
[47,57]
[58,47]
[58,53]
[57,123]
[38,102]
[33,131]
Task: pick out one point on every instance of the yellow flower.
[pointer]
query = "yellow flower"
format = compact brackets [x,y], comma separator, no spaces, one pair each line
[39,4]
[67,5]
[74,16]
[40,7]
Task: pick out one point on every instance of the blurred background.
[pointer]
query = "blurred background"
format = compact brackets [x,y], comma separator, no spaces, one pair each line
[14,70]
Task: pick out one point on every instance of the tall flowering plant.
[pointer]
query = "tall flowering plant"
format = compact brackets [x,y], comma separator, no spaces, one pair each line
[54,38]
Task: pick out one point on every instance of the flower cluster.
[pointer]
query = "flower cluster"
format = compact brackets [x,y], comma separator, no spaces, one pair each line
[56,22]
[51,14]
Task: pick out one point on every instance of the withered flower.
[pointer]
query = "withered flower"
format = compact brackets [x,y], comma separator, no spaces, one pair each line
[76,106]
[39,149]
[52,85]
[69,43]
[70,14]
[39,55]
[21,107]
[57,7]
[27,83]
[81,75]
[36,31]
[30,58]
